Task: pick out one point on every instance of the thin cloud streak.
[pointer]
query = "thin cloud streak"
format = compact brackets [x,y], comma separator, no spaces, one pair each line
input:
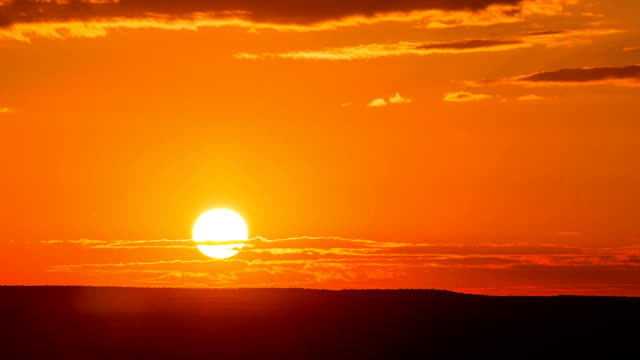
[586,75]
[628,76]
[411,48]
[372,51]
[336,262]
[306,248]
[463,96]
[164,243]
[531,98]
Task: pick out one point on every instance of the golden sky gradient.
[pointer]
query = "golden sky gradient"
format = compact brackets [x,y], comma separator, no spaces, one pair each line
[486,146]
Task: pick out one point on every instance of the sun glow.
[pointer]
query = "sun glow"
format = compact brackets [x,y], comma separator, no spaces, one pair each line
[220,225]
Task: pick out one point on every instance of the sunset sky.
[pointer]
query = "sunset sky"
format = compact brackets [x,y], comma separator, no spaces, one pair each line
[483,146]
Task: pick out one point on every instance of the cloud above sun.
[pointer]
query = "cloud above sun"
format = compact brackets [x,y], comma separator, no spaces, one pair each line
[600,75]
[395,99]
[24,19]
[530,97]
[554,38]
[623,75]
[463,96]
[371,51]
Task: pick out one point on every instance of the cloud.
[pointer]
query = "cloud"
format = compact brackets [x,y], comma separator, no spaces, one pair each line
[395,99]
[467,44]
[499,14]
[336,262]
[332,249]
[462,96]
[129,244]
[601,75]
[378,102]
[25,19]
[331,241]
[398,99]
[553,38]
[631,48]
[371,51]
[530,98]
[623,75]
[22,19]
[6,110]
[565,37]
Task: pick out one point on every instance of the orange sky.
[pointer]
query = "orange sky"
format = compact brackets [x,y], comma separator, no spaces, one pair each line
[486,146]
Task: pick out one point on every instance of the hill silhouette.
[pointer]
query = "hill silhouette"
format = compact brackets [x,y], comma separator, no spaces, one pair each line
[151,323]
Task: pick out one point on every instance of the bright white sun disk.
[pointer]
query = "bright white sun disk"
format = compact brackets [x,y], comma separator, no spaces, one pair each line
[220,225]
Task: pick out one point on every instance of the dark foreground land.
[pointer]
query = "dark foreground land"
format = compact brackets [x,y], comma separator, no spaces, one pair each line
[136,323]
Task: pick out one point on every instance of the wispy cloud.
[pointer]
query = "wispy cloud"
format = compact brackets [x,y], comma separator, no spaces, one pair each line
[314,248]
[24,19]
[565,37]
[624,75]
[332,241]
[378,102]
[554,38]
[500,14]
[586,76]
[463,96]
[395,99]
[5,110]
[129,244]
[370,51]
[398,99]
[531,97]
[335,262]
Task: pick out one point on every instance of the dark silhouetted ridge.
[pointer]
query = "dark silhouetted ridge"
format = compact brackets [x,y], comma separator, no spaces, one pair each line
[145,323]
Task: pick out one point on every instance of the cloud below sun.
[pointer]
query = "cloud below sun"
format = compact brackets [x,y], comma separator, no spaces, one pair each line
[335,262]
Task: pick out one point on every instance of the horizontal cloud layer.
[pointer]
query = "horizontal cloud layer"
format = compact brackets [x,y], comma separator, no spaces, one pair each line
[21,19]
[616,75]
[462,96]
[271,11]
[625,74]
[369,51]
[24,16]
[334,262]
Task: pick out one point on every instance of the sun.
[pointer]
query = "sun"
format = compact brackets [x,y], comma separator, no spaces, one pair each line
[220,225]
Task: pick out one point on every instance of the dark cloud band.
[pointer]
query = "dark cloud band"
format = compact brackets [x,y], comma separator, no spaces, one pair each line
[585,75]
[261,11]
[468,44]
